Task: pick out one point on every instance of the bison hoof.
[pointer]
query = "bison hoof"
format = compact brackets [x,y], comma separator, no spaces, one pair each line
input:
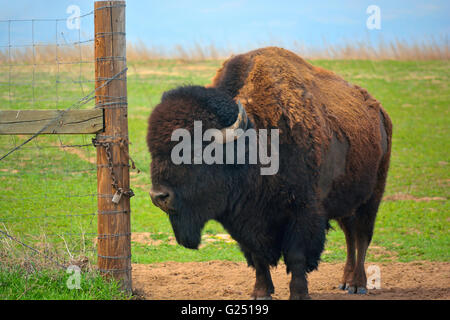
[300,297]
[361,290]
[263,298]
[343,286]
[357,290]
[351,289]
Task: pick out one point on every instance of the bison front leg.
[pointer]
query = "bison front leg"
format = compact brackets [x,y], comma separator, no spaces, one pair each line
[303,244]
[263,286]
[298,287]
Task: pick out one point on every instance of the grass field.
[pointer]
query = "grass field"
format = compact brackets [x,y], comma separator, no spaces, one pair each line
[412,225]
[45,179]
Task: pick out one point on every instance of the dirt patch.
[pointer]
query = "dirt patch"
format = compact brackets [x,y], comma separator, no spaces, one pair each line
[220,237]
[381,252]
[144,238]
[83,155]
[9,170]
[225,280]
[405,197]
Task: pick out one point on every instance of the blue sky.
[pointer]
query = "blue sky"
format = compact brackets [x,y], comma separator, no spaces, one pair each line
[241,24]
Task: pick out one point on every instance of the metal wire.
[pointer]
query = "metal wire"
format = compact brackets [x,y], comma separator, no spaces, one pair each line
[76,105]
[14,66]
[33,249]
[47,217]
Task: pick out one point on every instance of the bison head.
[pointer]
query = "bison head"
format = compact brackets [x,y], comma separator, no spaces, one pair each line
[192,194]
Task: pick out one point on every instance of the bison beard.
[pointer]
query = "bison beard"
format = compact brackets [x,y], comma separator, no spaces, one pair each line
[187,230]
[334,151]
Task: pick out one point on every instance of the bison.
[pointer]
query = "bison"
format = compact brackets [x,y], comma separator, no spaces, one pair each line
[334,150]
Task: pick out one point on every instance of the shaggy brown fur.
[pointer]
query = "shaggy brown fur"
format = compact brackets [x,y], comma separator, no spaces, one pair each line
[281,90]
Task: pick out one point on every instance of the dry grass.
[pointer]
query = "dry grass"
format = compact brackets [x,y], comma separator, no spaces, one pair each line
[49,54]
[44,255]
[396,50]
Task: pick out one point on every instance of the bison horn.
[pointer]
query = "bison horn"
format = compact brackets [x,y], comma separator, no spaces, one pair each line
[230,133]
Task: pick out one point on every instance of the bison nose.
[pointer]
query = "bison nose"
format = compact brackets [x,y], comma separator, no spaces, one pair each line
[161,197]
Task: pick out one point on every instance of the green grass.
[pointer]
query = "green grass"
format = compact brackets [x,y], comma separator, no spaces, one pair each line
[17,284]
[416,96]
[38,181]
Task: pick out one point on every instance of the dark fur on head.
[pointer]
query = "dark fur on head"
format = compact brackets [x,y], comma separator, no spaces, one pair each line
[180,107]
[214,184]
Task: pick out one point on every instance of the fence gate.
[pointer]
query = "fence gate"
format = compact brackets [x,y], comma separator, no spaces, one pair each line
[108,120]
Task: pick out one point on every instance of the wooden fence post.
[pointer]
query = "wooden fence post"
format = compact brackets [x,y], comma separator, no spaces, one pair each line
[114,231]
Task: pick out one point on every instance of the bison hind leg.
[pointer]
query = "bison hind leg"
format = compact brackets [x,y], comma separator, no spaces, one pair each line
[358,231]
[347,225]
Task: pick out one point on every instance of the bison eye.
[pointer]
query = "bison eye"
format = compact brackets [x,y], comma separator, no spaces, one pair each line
[162,197]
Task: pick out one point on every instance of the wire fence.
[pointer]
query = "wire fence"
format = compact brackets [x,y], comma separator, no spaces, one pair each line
[48,183]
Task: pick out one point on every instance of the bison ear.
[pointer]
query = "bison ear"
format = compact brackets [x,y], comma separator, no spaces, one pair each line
[232,132]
